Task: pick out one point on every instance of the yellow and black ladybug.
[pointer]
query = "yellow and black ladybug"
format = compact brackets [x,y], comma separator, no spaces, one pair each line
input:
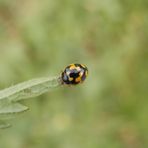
[74,74]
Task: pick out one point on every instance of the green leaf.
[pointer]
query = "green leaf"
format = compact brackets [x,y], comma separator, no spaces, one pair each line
[3,124]
[9,107]
[13,108]
[9,111]
[28,89]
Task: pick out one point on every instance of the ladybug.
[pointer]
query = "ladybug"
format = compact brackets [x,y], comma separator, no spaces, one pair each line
[74,74]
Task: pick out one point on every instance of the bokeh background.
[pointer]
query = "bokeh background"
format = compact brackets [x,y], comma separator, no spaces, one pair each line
[110,110]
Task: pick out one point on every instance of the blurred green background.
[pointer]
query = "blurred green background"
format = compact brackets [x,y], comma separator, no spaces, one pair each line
[110,110]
